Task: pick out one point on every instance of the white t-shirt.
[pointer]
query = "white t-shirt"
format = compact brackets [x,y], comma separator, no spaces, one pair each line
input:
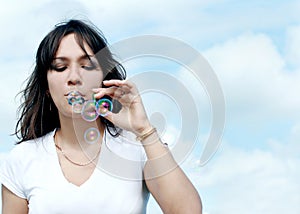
[32,171]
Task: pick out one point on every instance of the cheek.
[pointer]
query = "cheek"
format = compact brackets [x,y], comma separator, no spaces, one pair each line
[51,83]
[55,85]
[94,80]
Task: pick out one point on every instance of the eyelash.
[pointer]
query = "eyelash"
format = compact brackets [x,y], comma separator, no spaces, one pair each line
[89,68]
[60,69]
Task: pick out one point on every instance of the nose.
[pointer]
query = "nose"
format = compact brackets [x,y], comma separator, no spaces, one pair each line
[74,78]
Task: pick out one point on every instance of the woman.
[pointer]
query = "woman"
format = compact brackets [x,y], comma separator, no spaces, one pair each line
[60,164]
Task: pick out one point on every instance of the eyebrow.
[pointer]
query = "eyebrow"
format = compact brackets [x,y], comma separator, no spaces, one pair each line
[80,58]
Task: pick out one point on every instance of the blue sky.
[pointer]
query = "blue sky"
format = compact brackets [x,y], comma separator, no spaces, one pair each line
[254,49]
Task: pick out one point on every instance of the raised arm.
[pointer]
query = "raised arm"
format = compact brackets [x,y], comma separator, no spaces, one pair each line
[167,182]
[171,188]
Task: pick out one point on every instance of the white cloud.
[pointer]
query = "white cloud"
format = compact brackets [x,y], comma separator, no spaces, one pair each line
[26,26]
[293,45]
[254,78]
[197,22]
[257,181]
[258,89]
[13,76]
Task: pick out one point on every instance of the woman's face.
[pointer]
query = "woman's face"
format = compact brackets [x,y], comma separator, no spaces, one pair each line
[72,70]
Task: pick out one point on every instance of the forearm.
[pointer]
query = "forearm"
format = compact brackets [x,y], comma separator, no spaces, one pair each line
[166,181]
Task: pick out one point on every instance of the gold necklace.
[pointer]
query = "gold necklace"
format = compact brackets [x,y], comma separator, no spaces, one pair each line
[73,162]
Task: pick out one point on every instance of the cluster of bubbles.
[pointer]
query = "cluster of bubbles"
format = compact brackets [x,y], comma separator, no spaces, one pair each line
[90,110]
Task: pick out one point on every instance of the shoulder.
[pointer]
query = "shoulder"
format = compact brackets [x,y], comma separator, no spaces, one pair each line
[31,148]
[21,163]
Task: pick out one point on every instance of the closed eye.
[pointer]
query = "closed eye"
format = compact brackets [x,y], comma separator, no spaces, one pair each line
[89,67]
[59,69]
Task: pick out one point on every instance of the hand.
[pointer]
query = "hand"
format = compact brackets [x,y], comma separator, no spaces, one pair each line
[132,116]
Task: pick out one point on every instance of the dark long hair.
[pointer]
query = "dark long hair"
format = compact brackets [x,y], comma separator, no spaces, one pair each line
[38,114]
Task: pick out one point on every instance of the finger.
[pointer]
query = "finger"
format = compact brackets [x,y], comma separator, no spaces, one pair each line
[114,92]
[100,92]
[113,82]
[119,83]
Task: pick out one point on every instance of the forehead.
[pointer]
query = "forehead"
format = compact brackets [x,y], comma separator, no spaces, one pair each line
[69,47]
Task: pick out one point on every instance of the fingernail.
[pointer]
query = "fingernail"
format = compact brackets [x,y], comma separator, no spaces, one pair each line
[96,89]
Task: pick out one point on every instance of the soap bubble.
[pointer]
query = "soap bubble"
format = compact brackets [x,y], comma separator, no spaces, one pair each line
[91,135]
[104,106]
[76,100]
[88,112]
[77,108]
[74,96]
[77,105]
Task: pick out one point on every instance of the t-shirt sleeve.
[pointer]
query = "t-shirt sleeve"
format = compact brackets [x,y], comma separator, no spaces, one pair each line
[12,173]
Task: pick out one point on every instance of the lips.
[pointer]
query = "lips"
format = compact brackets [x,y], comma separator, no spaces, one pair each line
[75,97]
[73,93]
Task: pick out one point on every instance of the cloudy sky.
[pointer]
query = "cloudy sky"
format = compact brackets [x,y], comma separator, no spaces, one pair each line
[253,48]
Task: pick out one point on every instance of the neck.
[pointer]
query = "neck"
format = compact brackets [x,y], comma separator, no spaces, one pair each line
[73,132]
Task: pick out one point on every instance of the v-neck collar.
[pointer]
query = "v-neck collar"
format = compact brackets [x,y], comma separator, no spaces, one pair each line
[58,165]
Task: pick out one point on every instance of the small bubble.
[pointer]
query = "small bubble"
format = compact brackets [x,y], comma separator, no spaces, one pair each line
[76,101]
[71,100]
[91,135]
[77,107]
[88,112]
[104,106]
